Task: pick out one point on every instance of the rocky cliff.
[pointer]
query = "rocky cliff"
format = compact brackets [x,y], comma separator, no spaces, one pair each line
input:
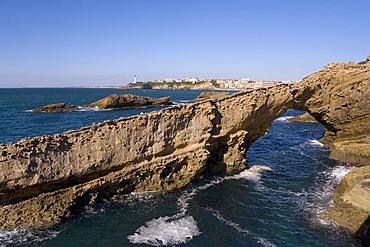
[45,179]
[339,97]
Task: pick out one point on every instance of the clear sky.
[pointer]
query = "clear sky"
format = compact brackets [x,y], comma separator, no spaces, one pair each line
[52,43]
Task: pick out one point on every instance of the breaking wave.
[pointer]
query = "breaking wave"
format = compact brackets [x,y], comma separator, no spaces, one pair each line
[315,143]
[181,228]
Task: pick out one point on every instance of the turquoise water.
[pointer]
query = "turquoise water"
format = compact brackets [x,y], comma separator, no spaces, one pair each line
[276,203]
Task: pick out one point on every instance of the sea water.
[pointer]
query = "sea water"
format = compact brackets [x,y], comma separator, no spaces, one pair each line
[278,201]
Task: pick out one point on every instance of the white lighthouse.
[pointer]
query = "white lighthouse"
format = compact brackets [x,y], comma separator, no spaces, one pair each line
[134,79]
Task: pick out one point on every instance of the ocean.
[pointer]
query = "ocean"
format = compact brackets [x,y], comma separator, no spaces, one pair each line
[278,202]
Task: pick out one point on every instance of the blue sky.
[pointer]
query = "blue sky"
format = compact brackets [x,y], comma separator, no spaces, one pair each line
[50,43]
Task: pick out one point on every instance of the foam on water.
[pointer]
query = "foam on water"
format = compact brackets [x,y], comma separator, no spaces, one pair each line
[318,199]
[315,143]
[24,235]
[92,109]
[283,119]
[166,231]
[252,174]
[181,228]
[238,228]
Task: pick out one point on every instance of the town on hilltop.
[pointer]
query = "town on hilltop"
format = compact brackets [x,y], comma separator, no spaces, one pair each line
[194,82]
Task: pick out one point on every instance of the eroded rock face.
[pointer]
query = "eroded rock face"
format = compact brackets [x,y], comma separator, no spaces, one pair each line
[44,179]
[210,96]
[338,97]
[47,178]
[57,107]
[128,100]
[305,118]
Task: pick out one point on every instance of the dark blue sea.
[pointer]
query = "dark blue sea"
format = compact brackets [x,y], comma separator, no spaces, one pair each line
[278,202]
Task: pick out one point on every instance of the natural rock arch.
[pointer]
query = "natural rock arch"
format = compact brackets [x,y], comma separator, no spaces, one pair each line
[44,179]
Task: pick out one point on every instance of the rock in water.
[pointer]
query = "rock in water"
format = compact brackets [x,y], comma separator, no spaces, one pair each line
[128,100]
[44,179]
[210,96]
[305,118]
[58,107]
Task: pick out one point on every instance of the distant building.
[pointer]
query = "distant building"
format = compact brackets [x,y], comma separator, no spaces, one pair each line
[134,79]
[192,80]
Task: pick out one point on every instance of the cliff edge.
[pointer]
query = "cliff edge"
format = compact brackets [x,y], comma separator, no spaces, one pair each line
[45,179]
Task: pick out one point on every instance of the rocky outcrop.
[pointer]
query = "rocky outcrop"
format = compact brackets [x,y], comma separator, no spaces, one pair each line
[58,107]
[44,179]
[305,118]
[352,204]
[128,100]
[210,96]
[338,97]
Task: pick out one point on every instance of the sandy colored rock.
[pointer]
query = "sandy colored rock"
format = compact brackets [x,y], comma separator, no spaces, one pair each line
[304,118]
[128,100]
[352,203]
[338,97]
[156,151]
[45,179]
[57,107]
[210,96]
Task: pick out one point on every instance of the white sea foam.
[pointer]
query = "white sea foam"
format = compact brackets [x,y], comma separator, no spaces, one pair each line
[283,119]
[92,109]
[315,143]
[318,199]
[252,174]
[181,228]
[24,235]
[166,231]
[238,228]
[339,172]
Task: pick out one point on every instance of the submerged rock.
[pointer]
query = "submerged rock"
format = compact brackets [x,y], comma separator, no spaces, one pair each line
[128,100]
[58,107]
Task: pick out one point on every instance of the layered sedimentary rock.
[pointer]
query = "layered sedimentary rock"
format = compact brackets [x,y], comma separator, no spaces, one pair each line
[339,97]
[128,100]
[44,179]
[57,107]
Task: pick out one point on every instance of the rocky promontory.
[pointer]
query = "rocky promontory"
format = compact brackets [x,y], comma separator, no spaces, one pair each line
[338,97]
[128,100]
[45,179]
[57,107]
[48,178]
